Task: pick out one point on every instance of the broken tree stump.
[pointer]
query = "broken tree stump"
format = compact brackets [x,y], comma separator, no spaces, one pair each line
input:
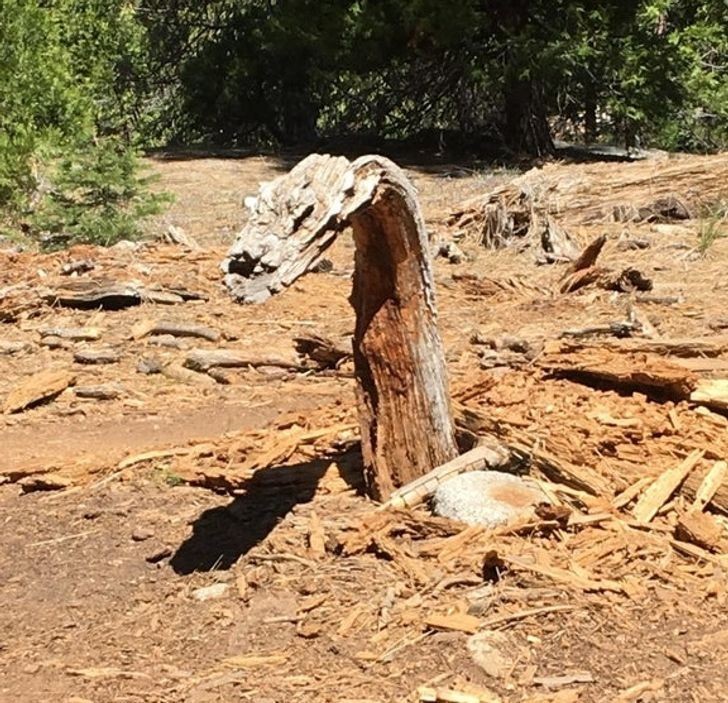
[402,389]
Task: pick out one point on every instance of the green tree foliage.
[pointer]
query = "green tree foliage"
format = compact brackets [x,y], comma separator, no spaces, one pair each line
[85,82]
[68,101]
[290,70]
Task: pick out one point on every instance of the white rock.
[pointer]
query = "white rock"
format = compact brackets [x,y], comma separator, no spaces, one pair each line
[489,498]
[494,652]
[217,590]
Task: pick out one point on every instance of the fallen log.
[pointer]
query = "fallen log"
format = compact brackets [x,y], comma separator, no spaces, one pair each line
[652,375]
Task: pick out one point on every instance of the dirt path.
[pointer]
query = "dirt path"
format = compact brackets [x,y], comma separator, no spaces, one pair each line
[99,598]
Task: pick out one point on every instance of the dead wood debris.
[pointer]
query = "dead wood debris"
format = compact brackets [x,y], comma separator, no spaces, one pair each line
[324,352]
[652,191]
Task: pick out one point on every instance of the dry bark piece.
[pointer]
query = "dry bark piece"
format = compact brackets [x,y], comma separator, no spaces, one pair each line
[44,482]
[588,257]
[79,266]
[38,388]
[701,529]
[292,222]
[55,343]
[663,487]
[9,347]
[175,329]
[177,372]
[176,235]
[76,334]
[202,360]
[326,353]
[96,356]
[112,295]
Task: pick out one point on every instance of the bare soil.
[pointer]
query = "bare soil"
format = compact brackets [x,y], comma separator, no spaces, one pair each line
[99,582]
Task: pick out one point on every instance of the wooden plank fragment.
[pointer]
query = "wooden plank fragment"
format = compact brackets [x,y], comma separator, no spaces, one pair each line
[316,536]
[712,393]
[37,388]
[710,485]
[459,622]
[630,493]
[663,487]
[490,456]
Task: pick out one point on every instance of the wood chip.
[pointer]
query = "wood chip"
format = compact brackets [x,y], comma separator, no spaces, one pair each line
[252,661]
[446,695]
[316,536]
[37,388]
[663,487]
[699,528]
[565,680]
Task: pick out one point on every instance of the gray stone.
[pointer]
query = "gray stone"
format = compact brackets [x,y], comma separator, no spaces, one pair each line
[489,498]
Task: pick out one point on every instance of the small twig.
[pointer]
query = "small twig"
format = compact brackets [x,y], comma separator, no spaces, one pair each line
[522,614]
[282,557]
[65,538]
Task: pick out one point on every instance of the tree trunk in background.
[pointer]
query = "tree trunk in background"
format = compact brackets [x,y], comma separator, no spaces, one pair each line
[402,389]
[526,121]
[590,111]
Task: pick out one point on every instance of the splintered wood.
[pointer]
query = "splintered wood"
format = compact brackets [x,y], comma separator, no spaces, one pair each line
[665,485]
[591,193]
